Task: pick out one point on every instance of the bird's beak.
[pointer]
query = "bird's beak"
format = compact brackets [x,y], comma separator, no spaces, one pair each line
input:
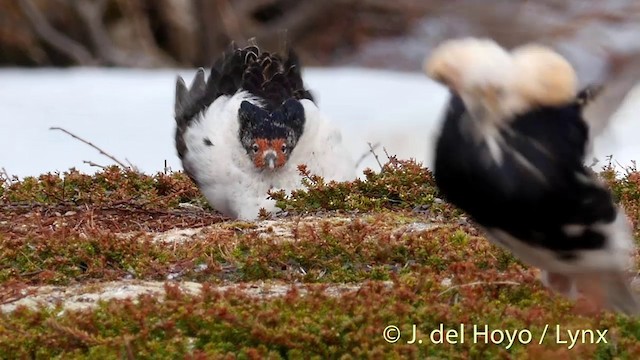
[270,160]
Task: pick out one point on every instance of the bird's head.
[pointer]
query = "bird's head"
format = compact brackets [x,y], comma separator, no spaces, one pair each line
[270,137]
[479,70]
[545,77]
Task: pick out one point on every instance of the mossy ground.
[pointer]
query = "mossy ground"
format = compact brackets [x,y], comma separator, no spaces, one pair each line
[401,255]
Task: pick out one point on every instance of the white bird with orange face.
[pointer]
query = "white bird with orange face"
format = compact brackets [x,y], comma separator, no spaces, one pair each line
[246,129]
[511,154]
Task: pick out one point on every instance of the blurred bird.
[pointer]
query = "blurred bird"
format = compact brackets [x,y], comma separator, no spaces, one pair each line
[511,153]
[246,129]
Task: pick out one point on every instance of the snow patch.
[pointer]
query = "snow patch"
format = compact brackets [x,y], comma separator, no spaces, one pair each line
[129,113]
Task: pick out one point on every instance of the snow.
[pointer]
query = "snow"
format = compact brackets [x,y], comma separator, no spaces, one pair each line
[620,139]
[129,114]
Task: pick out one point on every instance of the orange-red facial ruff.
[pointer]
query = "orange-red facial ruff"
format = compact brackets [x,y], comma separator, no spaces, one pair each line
[265,147]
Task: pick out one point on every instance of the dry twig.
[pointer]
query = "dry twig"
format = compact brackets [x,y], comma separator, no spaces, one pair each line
[90,144]
[4,176]
[91,163]
[372,150]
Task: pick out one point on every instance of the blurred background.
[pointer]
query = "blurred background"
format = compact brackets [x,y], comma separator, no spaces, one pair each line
[601,38]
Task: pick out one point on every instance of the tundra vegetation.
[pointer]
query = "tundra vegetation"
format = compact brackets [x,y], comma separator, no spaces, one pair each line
[322,279]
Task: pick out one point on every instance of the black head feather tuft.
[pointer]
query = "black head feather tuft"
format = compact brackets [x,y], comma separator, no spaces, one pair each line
[285,122]
[276,132]
[293,115]
[251,115]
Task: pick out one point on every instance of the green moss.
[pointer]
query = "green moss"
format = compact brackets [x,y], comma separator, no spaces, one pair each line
[112,184]
[400,185]
[407,255]
[214,324]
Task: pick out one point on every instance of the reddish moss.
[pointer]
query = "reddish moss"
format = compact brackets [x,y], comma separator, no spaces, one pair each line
[437,269]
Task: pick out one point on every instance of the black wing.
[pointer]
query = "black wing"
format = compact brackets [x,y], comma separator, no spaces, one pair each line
[508,196]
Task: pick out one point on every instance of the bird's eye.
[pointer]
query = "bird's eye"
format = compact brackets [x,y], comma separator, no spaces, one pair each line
[285,148]
[255,148]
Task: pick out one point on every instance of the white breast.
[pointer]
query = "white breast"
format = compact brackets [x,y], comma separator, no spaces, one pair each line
[228,178]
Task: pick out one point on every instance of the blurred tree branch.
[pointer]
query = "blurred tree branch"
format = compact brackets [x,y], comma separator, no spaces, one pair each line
[182,23]
[51,36]
[150,52]
[91,13]
[240,23]
[151,33]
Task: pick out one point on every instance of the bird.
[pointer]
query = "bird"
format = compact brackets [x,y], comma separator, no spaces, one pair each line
[511,154]
[248,127]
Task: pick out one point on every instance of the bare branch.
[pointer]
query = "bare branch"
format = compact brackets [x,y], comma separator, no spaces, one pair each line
[390,6]
[249,6]
[298,18]
[90,144]
[238,16]
[239,24]
[372,150]
[366,154]
[91,163]
[231,21]
[150,52]
[5,177]
[91,13]
[135,168]
[386,153]
[181,20]
[53,37]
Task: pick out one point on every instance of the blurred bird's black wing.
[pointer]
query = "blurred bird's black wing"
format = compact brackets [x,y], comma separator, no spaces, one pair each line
[541,183]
